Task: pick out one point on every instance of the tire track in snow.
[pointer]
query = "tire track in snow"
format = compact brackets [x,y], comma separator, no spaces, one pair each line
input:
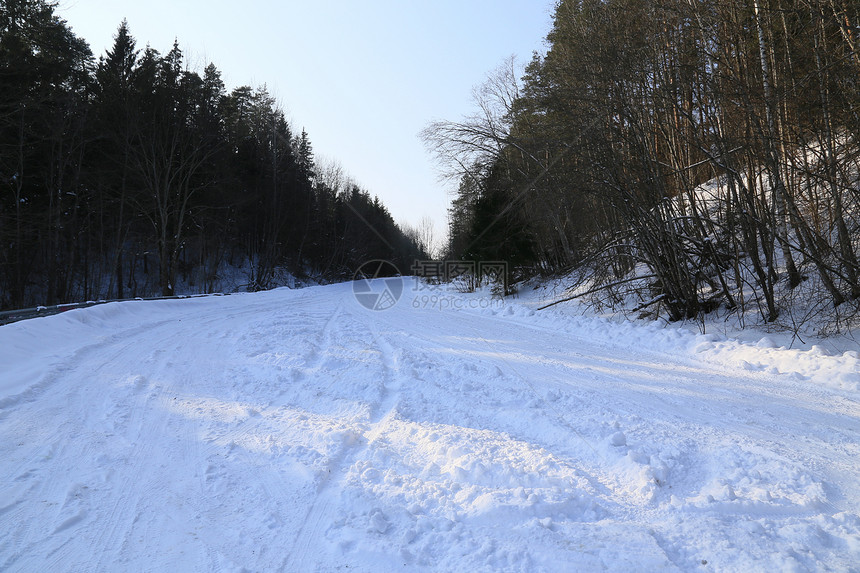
[62,367]
[148,418]
[168,475]
[106,419]
[73,379]
[239,432]
[321,514]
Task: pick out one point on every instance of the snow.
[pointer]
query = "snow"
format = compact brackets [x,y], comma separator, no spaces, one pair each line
[296,430]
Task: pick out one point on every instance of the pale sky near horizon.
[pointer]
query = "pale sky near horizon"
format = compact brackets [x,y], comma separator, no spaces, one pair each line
[363,78]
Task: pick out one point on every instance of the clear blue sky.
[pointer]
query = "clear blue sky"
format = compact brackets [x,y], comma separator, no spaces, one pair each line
[363,77]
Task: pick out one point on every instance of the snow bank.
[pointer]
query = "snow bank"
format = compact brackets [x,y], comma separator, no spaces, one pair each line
[833,361]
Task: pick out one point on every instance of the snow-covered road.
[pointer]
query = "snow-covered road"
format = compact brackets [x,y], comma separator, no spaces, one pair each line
[298,431]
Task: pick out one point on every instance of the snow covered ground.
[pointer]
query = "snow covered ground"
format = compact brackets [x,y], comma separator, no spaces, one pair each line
[299,431]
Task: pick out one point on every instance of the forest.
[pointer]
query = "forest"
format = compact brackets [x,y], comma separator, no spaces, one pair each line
[675,156]
[132,175]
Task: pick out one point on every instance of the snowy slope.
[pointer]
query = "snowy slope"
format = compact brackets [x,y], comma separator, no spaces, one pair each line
[298,431]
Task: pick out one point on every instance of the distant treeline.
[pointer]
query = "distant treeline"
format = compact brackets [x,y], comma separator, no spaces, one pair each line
[592,159]
[131,174]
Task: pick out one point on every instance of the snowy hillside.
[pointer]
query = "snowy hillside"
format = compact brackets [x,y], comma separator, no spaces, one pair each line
[299,431]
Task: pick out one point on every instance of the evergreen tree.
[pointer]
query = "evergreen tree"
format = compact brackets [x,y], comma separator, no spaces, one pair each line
[136,175]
